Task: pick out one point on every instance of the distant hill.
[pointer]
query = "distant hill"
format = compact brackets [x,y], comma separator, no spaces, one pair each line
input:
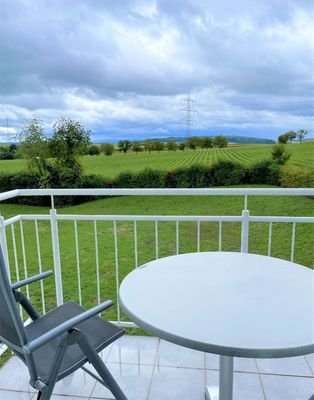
[231,139]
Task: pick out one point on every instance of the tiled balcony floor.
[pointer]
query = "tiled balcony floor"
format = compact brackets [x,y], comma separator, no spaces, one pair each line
[151,369]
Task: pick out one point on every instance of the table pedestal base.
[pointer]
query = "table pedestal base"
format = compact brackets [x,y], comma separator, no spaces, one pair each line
[225,381]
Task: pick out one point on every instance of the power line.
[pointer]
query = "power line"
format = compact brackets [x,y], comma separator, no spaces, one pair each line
[190,113]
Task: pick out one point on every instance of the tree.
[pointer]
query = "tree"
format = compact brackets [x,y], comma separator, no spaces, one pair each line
[34,146]
[288,136]
[182,146]
[193,142]
[124,145]
[69,140]
[107,149]
[279,154]
[291,135]
[94,150]
[158,146]
[148,145]
[220,141]
[283,139]
[171,146]
[301,134]
[136,146]
[207,142]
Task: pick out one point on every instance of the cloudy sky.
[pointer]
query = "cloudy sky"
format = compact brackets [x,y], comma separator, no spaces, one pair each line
[124,68]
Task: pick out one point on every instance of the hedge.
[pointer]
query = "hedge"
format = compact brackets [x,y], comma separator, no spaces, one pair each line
[223,173]
[292,177]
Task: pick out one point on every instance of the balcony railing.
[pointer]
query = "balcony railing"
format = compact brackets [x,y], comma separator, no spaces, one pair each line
[90,254]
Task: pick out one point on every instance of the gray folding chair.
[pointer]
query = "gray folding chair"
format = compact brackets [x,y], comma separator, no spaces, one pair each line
[56,344]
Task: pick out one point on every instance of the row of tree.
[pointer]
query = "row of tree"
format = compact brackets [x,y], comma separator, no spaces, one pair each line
[124,146]
[292,135]
[156,145]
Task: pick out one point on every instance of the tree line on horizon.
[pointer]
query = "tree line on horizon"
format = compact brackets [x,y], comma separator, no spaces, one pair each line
[194,142]
[123,146]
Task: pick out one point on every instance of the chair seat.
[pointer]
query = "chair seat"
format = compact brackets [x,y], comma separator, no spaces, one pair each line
[100,334]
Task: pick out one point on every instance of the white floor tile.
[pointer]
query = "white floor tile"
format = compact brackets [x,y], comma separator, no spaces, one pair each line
[134,350]
[212,361]
[172,355]
[287,387]
[77,384]
[8,395]
[310,360]
[177,384]
[284,366]
[246,386]
[133,379]
[245,365]
[176,373]
[14,376]
[240,364]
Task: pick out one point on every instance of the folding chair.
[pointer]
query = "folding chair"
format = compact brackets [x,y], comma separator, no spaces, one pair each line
[56,344]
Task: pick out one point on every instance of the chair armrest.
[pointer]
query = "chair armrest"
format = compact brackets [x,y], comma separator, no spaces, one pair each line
[32,279]
[64,327]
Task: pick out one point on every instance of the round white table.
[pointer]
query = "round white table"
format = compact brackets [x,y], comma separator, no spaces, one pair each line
[231,304]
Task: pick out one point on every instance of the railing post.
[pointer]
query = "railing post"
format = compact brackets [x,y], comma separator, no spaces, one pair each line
[3,243]
[245,231]
[56,256]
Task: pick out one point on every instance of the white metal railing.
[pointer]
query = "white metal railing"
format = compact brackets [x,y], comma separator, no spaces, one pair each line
[18,229]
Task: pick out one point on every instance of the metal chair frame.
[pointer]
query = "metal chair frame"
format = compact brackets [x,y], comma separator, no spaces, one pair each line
[67,332]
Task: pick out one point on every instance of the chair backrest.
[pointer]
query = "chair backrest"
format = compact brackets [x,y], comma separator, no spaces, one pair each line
[11,325]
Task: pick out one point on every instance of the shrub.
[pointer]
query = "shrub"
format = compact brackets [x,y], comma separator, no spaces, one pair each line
[124,180]
[93,150]
[279,154]
[96,181]
[226,173]
[292,177]
[21,180]
[263,172]
[196,176]
[191,177]
[170,179]
[148,179]
[180,179]
[107,149]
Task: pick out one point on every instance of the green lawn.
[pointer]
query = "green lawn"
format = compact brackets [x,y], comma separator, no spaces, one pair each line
[111,166]
[292,206]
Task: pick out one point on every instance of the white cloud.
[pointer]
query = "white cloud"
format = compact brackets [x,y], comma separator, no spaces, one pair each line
[125,66]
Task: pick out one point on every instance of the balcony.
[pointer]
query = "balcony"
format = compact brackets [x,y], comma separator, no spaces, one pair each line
[90,253]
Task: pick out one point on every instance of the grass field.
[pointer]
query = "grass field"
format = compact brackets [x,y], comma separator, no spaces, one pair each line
[281,243]
[302,156]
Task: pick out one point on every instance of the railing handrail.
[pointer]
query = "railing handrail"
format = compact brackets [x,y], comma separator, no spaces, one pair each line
[160,192]
[153,217]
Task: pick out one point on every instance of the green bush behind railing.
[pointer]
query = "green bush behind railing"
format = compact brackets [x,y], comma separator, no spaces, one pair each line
[223,173]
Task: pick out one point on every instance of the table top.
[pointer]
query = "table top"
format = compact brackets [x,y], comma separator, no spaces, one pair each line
[233,304]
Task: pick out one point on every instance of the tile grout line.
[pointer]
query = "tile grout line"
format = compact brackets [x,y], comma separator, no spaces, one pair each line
[308,363]
[260,379]
[153,370]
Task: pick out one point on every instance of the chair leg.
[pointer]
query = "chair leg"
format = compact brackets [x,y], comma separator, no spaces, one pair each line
[102,370]
[54,370]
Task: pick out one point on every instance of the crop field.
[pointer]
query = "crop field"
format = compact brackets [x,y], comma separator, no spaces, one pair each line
[302,156]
